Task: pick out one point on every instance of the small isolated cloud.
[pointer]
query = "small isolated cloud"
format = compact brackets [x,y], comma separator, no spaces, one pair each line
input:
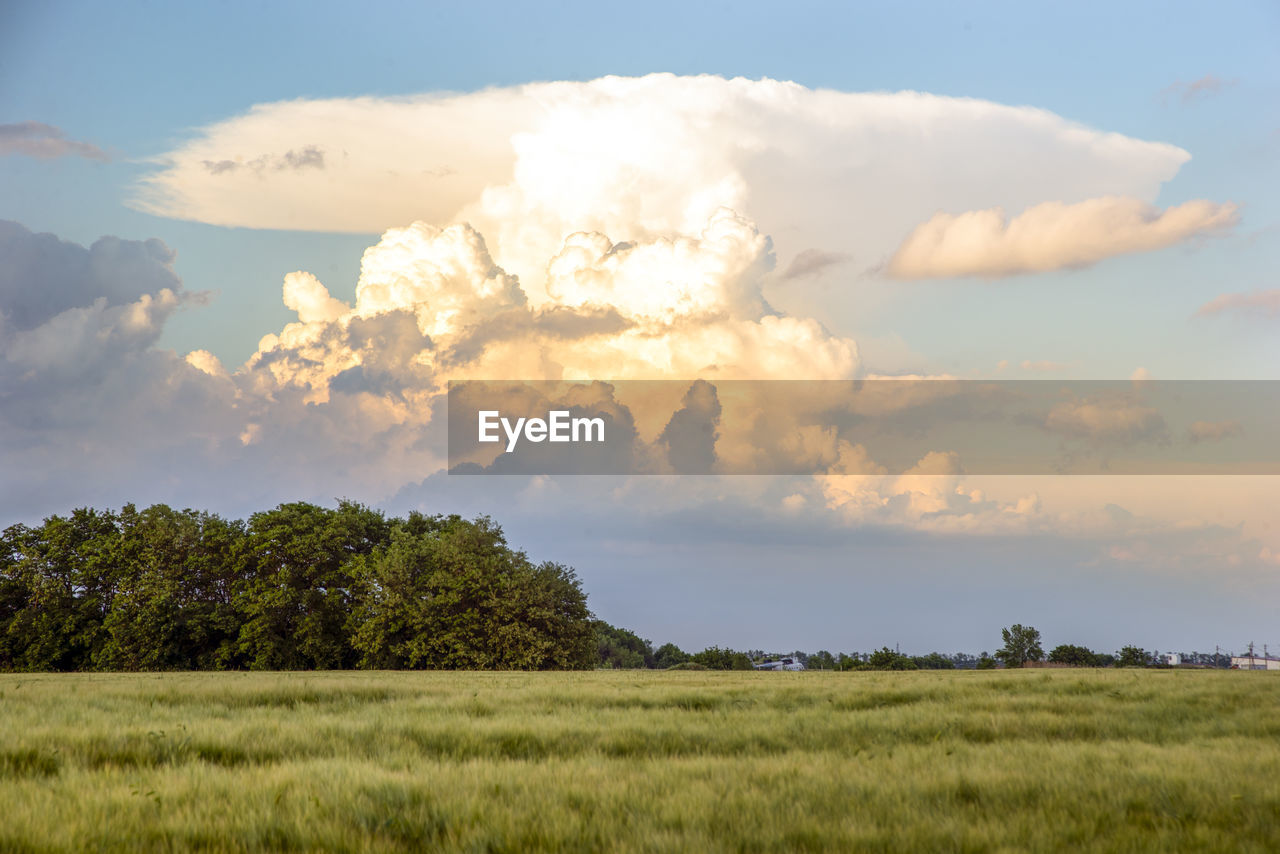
[1204,87]
[1213,431]
[1264,303]
[812,262]
[36,139]
[1051,236]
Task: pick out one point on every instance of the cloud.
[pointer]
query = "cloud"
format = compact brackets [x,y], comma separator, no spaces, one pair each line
[645,158]
[349,399]
[1051,236]
[1203,87]
[306,157]
[1116,418]
[43,276]
[36,139]
[620,228]
[1263,303]
[812,262]
[88,405]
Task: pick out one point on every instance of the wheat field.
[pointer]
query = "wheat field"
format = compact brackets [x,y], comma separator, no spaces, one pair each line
[1105,760]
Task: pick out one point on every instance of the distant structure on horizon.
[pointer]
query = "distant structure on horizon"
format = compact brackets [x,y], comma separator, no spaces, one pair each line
[1254,662]
[780,664]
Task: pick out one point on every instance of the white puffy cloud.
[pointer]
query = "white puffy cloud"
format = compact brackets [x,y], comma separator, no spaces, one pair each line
[1050,236]
[668,307]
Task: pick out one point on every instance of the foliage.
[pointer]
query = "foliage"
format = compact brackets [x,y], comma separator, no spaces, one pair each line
[621,649]
[1076,656]
[933,661]
[1133,656]
[887,659]
[1021,644]
[986,662]
[715,658]
[297,587]
[669,655]
[821,660]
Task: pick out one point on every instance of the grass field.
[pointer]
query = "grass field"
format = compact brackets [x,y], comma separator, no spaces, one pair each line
[626,761]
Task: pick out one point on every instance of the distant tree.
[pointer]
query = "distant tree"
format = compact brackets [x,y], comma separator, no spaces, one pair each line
[1132,656]
[886,659]
[847,662]
[620,649]
[669,655]
[1021,644]
[933,661]
[821,660]
[985,662]
[715,658]
[1076,656]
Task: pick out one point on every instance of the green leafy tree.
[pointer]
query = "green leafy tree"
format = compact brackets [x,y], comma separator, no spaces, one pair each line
[715,658]
[934,661]
[821,660]
[1021,644]
[621,649]
[67,572]
[172,606]
[448,593]
[887,659]
[986,662]
[1132,656]
[669,655]
[297,595]
[1076,656]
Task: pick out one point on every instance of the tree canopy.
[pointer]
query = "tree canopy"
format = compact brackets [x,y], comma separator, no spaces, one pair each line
[1021,644]
[297,587]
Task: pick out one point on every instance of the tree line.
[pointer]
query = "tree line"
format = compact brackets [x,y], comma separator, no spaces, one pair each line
[298,587]
[303,587]
[620,648]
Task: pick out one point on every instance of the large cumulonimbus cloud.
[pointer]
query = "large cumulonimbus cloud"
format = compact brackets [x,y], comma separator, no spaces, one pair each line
[612,229]
[831,174]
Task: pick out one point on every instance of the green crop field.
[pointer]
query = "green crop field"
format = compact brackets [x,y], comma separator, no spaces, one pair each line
[642,761]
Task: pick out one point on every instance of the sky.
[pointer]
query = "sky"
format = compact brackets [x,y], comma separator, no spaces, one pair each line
[246,244]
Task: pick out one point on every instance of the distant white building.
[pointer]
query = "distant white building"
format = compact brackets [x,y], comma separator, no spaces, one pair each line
[1255,662]
[1173,659]
[780,664]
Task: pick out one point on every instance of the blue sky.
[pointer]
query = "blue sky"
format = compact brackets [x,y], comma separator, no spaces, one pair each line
[143,81]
